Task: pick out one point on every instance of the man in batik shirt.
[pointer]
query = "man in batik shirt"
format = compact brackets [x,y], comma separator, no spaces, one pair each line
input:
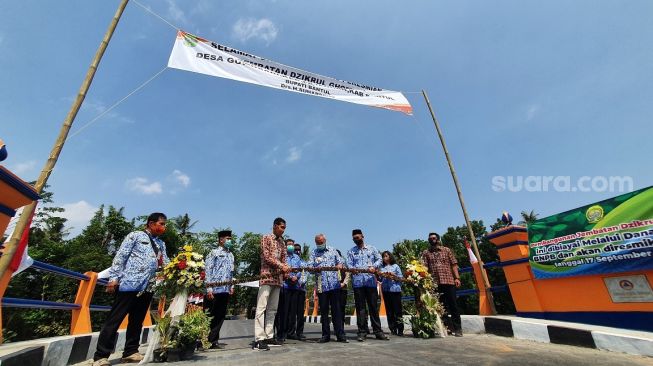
[328,288]
[219,266]
[443,267]
[273,269]
[364,256]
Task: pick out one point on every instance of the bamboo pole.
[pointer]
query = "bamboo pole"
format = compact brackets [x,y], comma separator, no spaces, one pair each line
[10,248]
[462,205]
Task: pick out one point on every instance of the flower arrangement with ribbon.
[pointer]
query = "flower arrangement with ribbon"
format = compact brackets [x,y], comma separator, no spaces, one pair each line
[426,322]
[184,273]
[418,275]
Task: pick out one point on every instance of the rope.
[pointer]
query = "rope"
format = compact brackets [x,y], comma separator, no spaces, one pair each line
[156,15]
[274,274]
[117,103]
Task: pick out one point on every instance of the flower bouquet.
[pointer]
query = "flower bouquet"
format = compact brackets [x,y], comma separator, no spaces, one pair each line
[426,322]
[183,275]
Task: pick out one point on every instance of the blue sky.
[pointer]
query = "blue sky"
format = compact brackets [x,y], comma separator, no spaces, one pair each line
[521,88]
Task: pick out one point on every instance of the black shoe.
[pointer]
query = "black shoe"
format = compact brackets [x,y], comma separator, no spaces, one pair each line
[215,345]
[361,338]
[260,346]
[400,334]
[342,340]
[458,333]
[292,336]
[273,342]
[324,340]
[382,336]
[301,337]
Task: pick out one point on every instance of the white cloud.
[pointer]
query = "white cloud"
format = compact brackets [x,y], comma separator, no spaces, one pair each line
[175,12]
[97,108]
[263,29]
[181,178]
[23,168]
[78,214]
[143,186]
[294,154]
[532,111]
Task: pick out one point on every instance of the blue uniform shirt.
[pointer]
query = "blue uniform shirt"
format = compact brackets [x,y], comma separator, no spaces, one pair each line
[219,266]
[327,280]
[294,261]
[388,285]
[363,258]
[136,262]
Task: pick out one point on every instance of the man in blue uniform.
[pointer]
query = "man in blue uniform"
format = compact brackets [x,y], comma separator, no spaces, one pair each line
[219,266]
[364,256]
[328,288]
[294,287]
[134,265]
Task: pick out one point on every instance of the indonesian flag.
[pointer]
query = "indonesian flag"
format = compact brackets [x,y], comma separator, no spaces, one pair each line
[472,257]
[21,260]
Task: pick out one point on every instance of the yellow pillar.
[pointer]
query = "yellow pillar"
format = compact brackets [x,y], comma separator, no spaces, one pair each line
[512,244]
[81,319]
[484,306]
[14,194]
[382,308]
[315,304]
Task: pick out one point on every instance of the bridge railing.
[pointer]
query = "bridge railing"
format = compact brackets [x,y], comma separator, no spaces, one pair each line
[81,308]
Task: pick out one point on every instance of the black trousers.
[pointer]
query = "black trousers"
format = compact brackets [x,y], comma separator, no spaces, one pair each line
[367,296]
[395,311]
[218,309]
[124,303]
[343,303]
[281,318]
[326,300]
[452,314]
[295,304]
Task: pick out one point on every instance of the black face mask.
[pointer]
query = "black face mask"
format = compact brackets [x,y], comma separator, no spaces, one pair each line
[358,241]
[434,242]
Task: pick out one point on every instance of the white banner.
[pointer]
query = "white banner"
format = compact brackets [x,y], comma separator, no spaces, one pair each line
[192,53]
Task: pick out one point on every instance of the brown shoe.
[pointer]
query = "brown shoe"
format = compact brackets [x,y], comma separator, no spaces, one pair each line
[133,358]
[102,362]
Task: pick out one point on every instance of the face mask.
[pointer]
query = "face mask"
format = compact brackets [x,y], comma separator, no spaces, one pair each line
[229,244]
[358,241]
[157,230]
[320,246]
[290,249]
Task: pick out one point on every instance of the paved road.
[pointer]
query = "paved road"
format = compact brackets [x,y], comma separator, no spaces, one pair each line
[469,350]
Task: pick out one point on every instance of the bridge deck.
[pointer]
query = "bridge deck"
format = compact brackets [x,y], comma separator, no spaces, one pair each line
[469,350]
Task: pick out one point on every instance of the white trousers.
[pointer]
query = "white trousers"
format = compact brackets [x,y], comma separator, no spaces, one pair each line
[266,309]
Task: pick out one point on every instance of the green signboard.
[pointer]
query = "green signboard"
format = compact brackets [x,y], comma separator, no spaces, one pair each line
[614,235]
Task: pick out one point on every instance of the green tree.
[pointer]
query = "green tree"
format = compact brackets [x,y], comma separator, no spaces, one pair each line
[248,258]
[183,224]
[528,217]
[454,238]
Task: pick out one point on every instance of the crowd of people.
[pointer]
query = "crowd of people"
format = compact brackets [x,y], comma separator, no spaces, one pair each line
[282,287]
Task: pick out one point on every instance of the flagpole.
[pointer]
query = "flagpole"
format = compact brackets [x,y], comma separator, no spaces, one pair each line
[462,204]
[10,248]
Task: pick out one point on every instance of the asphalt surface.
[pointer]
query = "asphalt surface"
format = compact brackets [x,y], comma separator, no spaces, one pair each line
[469,350]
